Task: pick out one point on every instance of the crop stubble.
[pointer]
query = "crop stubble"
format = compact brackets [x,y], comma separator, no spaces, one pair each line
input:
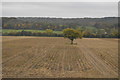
[45,57]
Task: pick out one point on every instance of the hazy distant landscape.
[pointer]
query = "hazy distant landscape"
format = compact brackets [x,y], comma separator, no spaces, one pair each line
[34,26]
[60,40]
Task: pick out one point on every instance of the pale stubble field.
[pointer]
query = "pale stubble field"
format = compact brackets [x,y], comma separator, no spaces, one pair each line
[54,57]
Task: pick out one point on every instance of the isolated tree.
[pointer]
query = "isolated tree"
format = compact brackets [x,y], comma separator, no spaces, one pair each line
[71,34]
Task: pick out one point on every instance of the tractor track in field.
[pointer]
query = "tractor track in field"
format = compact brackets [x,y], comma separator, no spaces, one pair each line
[35,60]
[99,64]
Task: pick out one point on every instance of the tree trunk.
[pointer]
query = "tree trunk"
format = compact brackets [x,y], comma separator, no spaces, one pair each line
[71,41]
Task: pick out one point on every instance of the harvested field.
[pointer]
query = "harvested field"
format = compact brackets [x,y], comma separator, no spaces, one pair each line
[52,57]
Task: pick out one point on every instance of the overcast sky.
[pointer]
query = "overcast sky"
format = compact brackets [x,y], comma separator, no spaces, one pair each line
[60,9]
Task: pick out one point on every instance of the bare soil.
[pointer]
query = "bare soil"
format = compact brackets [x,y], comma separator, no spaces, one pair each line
[52,57]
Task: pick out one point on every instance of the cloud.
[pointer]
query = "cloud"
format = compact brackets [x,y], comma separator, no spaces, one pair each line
[60,9]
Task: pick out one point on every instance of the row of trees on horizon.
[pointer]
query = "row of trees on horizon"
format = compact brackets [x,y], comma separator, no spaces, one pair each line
[51,33]
[91,27]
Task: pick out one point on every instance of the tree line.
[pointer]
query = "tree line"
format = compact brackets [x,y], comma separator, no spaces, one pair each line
[106,27]
[50,33]
[57,24]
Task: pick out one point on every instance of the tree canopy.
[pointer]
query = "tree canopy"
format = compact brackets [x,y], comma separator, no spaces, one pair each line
[72,34]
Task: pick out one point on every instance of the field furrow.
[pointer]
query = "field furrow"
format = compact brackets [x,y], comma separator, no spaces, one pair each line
[50,57]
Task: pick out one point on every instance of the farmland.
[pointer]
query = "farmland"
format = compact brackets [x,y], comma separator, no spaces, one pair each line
[54,57]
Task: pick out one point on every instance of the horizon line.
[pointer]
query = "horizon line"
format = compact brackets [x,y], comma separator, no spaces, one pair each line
[57,17]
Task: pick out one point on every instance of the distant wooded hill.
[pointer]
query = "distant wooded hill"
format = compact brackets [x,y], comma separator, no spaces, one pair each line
[58,24]
[106,27]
